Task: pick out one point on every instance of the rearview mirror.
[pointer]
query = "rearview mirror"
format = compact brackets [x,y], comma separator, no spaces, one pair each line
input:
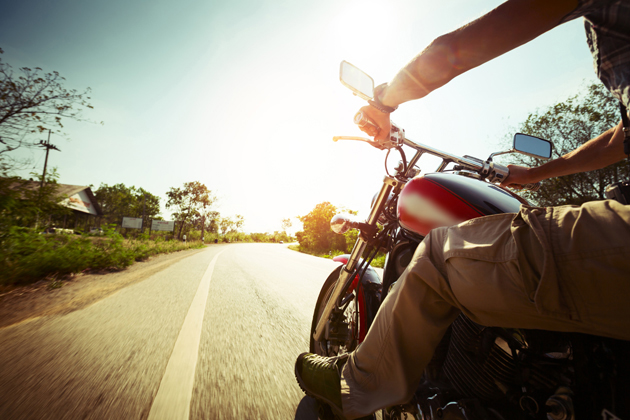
[532,146]
[341,223]
[356,80]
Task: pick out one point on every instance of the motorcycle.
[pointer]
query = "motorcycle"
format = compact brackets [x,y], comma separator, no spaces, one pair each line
[477,372]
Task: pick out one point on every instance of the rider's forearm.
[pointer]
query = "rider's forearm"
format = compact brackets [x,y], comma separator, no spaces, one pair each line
[510,25]
[597,153]
[428,71]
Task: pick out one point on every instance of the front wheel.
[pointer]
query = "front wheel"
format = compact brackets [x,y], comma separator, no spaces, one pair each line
[346,325]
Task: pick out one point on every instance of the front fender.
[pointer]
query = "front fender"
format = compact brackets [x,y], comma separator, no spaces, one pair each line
[371,277]
[369,295]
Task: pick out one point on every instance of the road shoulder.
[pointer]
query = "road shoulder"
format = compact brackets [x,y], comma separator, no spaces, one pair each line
[79,291]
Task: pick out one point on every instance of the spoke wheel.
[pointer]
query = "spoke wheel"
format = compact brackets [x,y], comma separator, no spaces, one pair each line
[350,317]
[330,348]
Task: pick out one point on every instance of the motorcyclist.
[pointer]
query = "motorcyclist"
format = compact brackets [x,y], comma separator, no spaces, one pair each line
[557,268]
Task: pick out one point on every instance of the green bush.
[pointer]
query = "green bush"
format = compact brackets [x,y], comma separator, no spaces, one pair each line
[317,237]
[379,261]
[27,256]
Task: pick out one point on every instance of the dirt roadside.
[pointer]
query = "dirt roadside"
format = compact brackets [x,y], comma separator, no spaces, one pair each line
[39,299]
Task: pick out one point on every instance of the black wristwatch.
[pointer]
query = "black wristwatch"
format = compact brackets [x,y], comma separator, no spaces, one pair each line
[376,101]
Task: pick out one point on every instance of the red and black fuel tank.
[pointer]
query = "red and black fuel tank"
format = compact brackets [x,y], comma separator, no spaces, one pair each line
[446,199]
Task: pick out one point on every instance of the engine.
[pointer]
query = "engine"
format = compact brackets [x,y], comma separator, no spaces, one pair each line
[493,364]
[482,373]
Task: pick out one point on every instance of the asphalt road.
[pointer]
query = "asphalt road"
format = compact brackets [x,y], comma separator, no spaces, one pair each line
[240,314]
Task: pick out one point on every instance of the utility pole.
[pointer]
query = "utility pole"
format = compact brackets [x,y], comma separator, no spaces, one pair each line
[47,146]
[144,211]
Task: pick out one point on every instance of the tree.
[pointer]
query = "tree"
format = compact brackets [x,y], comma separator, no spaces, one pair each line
[225,224]
[213,225]
[205,219]
[118,201]
[286,224]
[568,125]
[147,205]
[238,223]
[317,235]
[22,204]
[32,102]
[189,201]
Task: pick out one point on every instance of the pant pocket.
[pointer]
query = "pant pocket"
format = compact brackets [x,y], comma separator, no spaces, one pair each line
[483,270]
[535,250]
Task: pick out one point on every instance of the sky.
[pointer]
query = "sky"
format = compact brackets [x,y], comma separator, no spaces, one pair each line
[244,95]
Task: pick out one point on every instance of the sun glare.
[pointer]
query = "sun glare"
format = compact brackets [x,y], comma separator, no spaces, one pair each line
[363,26]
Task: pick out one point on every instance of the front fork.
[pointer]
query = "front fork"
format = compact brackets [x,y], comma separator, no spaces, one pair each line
[348,272]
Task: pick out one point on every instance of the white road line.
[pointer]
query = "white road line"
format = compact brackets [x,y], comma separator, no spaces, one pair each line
[172,401]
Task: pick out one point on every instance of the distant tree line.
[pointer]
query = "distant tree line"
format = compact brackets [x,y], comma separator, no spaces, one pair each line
[193,212]
[118,201]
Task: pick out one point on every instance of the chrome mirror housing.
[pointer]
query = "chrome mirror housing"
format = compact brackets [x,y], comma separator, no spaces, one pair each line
[356,80]
[341,223]
[528,145]
[532,146]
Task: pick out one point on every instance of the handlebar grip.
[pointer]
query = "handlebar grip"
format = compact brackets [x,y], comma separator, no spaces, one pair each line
[363,121]
[532,187]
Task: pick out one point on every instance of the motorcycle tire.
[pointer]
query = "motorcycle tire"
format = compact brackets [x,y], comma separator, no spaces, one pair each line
[326,348]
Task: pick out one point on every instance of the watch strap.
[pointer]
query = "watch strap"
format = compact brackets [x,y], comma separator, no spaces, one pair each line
[376,101]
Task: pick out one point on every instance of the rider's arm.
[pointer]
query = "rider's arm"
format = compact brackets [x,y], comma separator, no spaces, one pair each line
[597,153]
[510,25]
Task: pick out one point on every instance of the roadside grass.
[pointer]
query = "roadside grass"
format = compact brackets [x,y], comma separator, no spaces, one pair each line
[27,256]
[330,255]
[378,261]
[143,249]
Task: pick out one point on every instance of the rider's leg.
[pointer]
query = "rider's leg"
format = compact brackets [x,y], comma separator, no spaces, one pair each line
[386,368]
[563,269]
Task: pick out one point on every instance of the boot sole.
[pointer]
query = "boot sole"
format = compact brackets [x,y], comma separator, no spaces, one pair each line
[336,411]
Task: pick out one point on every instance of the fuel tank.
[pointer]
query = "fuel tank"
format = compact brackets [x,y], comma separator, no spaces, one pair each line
[446,199]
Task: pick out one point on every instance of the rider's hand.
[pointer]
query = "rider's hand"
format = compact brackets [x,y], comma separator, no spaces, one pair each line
[380,119]
[519,176]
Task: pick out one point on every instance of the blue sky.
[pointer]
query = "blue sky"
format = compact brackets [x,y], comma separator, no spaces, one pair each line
[244,96]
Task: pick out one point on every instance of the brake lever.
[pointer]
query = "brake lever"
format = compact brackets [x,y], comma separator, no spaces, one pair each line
[367,140]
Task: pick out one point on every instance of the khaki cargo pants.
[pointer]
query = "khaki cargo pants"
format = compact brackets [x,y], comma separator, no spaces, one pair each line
[557,268]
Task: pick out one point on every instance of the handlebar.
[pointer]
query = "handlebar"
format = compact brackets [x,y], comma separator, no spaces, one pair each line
[489,170]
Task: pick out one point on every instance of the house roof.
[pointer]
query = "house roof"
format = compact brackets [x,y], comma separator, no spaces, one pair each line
[71,196]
